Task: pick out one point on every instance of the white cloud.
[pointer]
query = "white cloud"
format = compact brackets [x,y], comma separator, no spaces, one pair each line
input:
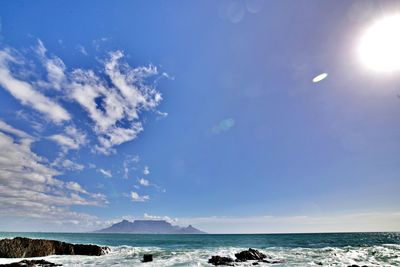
[135,197]
[75,187]
[72,138]
[106,173]
[91,165]
[55,68]
[144,182]
[129,164]
[29,188]
[223,126]
[114,98]
[97,43]
[82,49]
[115,108]
[30,119]
[25,91]
[155,217]
[146,170]
[64,141]
[4,127]
[70,165]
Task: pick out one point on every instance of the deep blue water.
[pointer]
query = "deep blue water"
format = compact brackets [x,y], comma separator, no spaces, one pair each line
[318,240]
[332,249]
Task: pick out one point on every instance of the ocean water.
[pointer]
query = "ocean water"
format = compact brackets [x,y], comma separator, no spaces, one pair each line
[333,249]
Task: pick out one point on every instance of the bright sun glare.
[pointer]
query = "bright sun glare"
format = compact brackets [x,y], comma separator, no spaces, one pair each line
[380,45]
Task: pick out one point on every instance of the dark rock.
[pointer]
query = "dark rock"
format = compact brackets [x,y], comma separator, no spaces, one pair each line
[31,263]
[255,263]
[271,261]
[251,254]
[91,250]
[218,260]
[147,258]
[20,247]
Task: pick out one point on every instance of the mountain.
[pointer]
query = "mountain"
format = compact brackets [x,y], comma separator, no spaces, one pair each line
[149,227]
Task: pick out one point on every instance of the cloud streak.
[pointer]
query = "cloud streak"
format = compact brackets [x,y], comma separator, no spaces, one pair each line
[72,138]
[26,93]
[135,197]
[106,173]
[29,188]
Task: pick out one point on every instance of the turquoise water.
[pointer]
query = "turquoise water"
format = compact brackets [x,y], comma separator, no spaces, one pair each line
[333,249]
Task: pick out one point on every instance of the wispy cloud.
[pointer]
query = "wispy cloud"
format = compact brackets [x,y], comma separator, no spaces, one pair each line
[72,138]
[97,43]
[114,98]
[115,109]
[155,217]
[144,182]
[135,197]
[25,92]
[82,50]
[146,170]
[106,173]
[75,187]
[29,188]
[55,68]
[223,126]
[129,164]
[68,164]
[4,127]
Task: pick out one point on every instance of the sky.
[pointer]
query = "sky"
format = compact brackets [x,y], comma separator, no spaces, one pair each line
[197,112]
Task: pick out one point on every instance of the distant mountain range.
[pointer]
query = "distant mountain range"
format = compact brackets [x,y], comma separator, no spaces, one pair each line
[149,227]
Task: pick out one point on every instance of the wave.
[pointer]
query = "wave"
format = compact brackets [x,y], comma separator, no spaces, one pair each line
[382,255]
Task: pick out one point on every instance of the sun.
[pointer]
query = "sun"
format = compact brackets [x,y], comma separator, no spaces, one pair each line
[379,48]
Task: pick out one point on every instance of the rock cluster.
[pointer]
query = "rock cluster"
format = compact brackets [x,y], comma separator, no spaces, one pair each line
[246,255]
[251,254]
[218,260]
[20,247]
[31,263]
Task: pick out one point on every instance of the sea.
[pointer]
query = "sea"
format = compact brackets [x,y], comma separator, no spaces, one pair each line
[324,249]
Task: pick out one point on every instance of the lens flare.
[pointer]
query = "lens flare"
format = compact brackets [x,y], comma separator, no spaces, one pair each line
[320,77]
[379,48]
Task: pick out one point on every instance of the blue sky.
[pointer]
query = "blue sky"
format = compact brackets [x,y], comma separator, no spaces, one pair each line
[199,112]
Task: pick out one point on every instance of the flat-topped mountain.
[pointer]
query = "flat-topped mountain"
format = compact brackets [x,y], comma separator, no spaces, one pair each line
[149,227]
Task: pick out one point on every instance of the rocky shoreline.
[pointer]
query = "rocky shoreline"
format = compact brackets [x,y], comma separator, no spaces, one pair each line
[21,247]
[251,255]
[31,263]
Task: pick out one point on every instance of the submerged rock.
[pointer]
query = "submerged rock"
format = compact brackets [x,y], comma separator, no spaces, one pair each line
[31,263]
[251,254]
[21,247]
[218,260]
[271,261]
